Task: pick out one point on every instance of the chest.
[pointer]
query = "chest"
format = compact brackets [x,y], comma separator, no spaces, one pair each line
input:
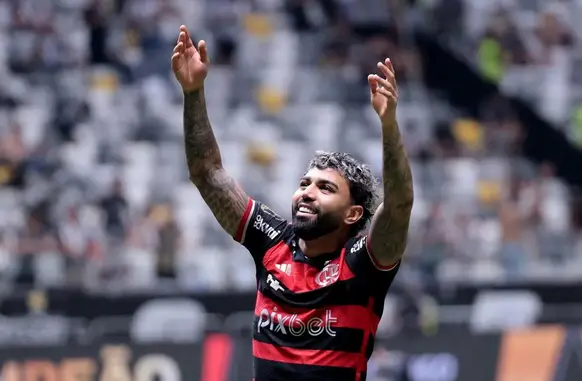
[285,273]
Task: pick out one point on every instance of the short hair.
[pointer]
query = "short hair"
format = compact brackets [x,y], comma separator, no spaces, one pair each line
[362,183]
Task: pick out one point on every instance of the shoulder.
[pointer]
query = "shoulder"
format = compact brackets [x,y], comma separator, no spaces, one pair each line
[360,258]
[261,228]
[264,222]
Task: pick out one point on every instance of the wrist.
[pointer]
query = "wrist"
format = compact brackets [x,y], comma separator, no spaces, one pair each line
[193,90]
[389,124]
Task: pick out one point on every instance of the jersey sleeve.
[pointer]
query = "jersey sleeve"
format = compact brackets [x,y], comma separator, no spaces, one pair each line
[260,229]
[360,259]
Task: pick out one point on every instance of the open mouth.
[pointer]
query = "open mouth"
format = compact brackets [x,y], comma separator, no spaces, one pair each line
[305,210]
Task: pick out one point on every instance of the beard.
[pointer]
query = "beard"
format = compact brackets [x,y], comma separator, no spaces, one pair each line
[315,226]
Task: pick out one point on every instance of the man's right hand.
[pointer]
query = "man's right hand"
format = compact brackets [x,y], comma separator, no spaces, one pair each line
[190,65]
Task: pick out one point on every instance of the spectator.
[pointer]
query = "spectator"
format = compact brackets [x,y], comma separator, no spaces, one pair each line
[35,239]
[501,47]
[116,213]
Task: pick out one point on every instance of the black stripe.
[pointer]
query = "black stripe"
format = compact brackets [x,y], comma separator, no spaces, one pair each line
[342,293]
[266,370]
[345,339]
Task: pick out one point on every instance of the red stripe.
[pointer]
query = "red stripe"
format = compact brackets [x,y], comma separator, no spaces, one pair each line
[216,357]
[357,317]
[243,221]
[375,261]
[303,277]
[288,355]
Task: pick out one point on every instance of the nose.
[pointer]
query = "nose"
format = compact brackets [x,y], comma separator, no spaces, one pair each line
[308,193]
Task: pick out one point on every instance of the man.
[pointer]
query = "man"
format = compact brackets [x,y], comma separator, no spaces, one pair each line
[321,287]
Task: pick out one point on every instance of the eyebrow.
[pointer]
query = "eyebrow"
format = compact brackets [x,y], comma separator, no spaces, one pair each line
[322,181]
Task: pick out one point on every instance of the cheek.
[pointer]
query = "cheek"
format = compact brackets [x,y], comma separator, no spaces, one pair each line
[295,198]
[331,204]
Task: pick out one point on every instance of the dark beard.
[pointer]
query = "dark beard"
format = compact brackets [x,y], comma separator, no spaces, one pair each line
[309,229]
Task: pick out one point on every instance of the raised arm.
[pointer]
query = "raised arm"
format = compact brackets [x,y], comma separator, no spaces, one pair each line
[389,229]
[221,192]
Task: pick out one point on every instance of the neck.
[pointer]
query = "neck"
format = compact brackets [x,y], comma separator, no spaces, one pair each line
[322,245]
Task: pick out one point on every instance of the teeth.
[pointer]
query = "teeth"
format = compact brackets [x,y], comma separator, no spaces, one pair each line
[304,209]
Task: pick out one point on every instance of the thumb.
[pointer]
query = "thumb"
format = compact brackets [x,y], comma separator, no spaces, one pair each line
[373,83]
[203,52]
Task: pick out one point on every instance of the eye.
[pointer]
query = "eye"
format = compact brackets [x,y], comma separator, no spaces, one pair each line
[303,184]
[327,189]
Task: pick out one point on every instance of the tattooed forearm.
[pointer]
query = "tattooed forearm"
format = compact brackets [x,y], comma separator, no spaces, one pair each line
[226,199]
[390,224]
[396,174]
[201,147]
[224,196]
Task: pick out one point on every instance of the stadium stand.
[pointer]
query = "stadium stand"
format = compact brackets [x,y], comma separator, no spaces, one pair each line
[94,189]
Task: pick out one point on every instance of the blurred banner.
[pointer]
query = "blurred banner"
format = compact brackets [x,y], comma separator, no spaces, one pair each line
[108,362]
[90,305]
[543,354]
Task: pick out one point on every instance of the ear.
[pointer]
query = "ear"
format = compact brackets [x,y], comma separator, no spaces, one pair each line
[354,214]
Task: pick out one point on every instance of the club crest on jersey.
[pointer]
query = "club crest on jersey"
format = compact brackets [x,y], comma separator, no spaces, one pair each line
[328,275]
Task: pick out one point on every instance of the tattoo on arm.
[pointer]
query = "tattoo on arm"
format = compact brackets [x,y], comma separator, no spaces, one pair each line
[201,147]
[389,229]
[220,191]
[225,198]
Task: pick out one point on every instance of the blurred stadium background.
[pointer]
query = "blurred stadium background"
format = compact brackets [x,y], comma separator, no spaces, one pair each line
[108,255]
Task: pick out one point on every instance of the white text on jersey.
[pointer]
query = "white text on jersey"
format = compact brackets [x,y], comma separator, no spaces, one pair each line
[274,283]
[358,245]
[294,326]
[264,227]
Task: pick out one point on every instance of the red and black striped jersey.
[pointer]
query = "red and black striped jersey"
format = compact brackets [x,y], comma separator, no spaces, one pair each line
[315,318]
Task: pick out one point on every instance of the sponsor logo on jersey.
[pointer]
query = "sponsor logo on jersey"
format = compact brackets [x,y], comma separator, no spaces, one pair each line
[265,228]
[358,245]
[274,283]
[328,275]
[284,268]
[293,325]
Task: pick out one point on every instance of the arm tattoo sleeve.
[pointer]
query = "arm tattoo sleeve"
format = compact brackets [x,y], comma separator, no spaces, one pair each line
[201,147]
[389,228]
[220,191]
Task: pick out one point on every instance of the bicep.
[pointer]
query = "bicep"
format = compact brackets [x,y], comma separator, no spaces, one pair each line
[389,232]
[249,222]
[225,198]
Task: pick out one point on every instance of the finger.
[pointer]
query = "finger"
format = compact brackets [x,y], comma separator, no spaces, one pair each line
[387,93]
[185,37]
[176,60]
[384,83]
[203,51]
[179,48]
[373,83]
[387,72]
[185,40]
[388,63]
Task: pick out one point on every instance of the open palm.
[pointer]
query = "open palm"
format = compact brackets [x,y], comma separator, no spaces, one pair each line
[190,64]
[384,92]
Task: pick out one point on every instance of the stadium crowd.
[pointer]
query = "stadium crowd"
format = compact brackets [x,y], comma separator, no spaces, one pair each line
[93,183]
[530,48]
